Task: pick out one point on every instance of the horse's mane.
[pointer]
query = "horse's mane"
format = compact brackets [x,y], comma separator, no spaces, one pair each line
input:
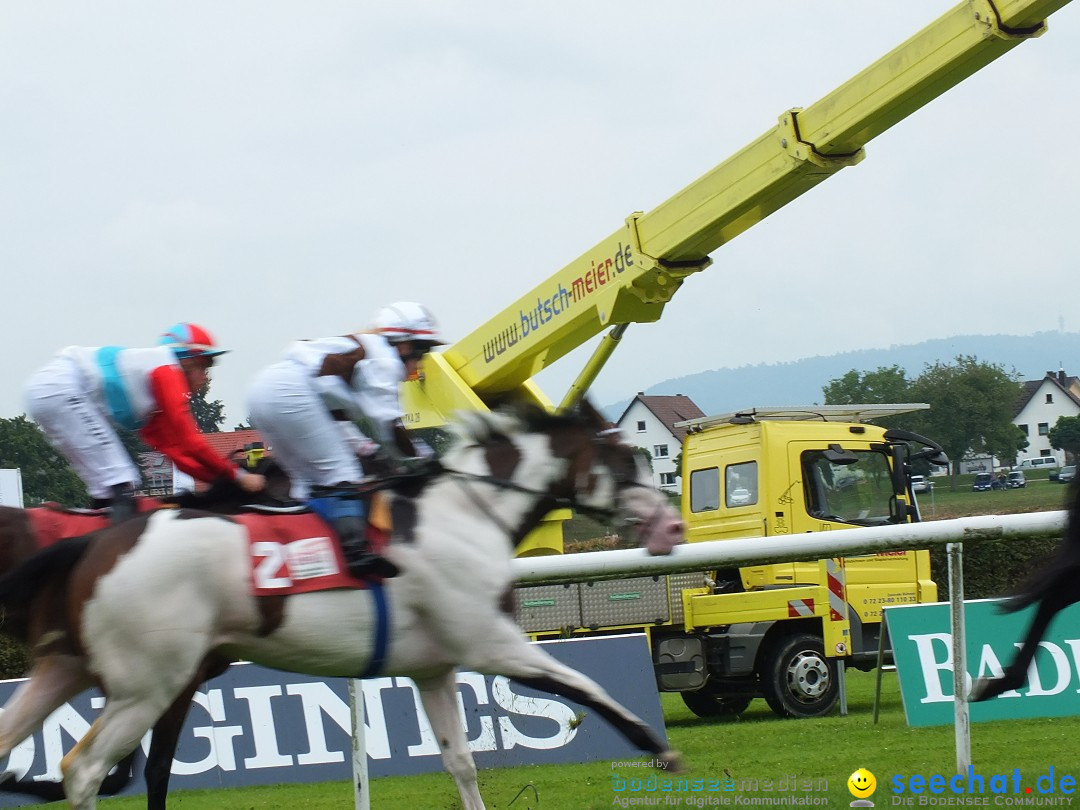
[479,427]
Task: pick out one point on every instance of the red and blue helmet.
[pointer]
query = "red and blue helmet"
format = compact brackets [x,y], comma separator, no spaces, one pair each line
[190,340]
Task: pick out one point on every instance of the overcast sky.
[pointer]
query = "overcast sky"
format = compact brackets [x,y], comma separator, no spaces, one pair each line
[277,170]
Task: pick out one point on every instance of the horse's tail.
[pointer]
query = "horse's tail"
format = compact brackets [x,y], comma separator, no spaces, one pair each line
[1059,576]
[20,586]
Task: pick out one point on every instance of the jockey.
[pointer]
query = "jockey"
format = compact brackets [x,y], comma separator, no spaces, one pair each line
[83,393]
[318,405]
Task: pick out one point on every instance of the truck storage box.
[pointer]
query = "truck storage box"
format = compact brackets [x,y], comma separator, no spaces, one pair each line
[541,608]
[640,600]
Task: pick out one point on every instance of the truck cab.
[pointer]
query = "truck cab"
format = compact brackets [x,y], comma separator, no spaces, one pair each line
[787,471]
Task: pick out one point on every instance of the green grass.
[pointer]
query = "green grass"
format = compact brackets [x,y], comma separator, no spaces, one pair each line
[758,745]
[1040,495]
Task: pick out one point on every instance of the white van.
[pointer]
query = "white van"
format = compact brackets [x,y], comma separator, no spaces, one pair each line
[1038,463]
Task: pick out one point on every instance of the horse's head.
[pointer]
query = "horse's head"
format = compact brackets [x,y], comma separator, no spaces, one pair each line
[578,460]
[641,506]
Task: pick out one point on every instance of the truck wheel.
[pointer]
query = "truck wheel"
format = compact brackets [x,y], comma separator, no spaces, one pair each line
[713,705]
[797,680]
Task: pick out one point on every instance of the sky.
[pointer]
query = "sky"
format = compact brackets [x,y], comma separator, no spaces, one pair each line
[279,170]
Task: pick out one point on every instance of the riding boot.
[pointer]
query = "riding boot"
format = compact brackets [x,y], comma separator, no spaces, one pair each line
[355,548]
[341,507]
[122,504]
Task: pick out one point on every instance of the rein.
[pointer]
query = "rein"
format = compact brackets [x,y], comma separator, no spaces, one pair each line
[606,515]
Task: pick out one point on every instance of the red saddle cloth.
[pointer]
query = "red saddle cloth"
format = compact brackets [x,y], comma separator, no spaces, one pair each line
[299,553]
[52,522]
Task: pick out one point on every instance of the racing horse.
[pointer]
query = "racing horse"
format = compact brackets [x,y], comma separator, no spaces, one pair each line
[135,609]
[1053,588]
[23,532]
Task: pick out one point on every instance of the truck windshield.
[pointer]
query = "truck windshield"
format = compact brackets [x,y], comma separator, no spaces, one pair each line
[859,493]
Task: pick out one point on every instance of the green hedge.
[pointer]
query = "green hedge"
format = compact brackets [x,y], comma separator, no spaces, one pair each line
[14,659]
[992,568]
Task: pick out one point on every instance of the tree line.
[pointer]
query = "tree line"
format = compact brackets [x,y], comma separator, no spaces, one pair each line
[972,405]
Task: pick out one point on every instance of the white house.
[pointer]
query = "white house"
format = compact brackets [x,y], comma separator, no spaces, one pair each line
[649,422]
[1041,404]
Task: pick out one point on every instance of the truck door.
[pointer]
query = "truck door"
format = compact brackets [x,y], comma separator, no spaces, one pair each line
[858,491]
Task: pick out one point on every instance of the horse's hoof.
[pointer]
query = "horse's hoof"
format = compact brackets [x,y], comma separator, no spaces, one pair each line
[670,762]
[6,775]
[986,688]
[977,693]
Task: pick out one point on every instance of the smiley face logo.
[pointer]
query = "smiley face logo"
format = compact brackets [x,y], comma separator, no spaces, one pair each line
[862,784]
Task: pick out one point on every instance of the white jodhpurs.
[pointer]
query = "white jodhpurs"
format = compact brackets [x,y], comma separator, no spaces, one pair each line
[302,435]
[78,427]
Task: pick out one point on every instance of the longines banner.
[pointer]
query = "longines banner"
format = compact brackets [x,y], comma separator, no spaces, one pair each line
[259,726]
[922,645]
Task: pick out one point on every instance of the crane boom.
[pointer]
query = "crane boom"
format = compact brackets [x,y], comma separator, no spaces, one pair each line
[631,275]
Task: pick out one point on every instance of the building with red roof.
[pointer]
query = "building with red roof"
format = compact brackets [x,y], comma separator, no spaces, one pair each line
[649,422]
[157,470]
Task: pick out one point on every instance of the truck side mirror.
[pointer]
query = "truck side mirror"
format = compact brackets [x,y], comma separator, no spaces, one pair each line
[932,451]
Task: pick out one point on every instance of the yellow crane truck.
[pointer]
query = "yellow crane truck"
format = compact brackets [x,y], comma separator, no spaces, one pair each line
[630,276]
[724,637]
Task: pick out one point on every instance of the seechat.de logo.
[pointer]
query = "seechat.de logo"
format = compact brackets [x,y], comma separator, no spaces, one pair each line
[862,785]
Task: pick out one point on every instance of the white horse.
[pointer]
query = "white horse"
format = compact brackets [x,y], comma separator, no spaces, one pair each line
[135,609]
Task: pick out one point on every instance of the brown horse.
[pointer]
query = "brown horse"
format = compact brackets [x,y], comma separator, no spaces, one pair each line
[23,532]
[1052,589]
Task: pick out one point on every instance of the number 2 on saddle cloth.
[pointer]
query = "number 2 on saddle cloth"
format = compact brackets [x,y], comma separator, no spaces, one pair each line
[299,552]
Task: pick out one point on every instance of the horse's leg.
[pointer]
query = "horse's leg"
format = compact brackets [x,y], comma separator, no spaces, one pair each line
[141,685]
[167,730]
[119,728]
[118,777]
[1016,672]
[1053,589]
[163,743]
[53,680]
[504,651]
[439,696]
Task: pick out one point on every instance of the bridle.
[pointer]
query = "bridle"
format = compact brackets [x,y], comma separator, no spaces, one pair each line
[607,515]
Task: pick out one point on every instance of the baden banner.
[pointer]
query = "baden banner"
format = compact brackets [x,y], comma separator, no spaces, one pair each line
[922,646]
[255,726]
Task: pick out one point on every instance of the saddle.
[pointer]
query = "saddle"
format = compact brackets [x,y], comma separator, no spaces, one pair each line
[52,522]
[292,549]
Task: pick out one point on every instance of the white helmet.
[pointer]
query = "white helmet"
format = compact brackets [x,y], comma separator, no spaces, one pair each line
[406,320]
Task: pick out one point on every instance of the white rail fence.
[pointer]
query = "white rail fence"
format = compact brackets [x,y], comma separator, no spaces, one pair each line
[594,565]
